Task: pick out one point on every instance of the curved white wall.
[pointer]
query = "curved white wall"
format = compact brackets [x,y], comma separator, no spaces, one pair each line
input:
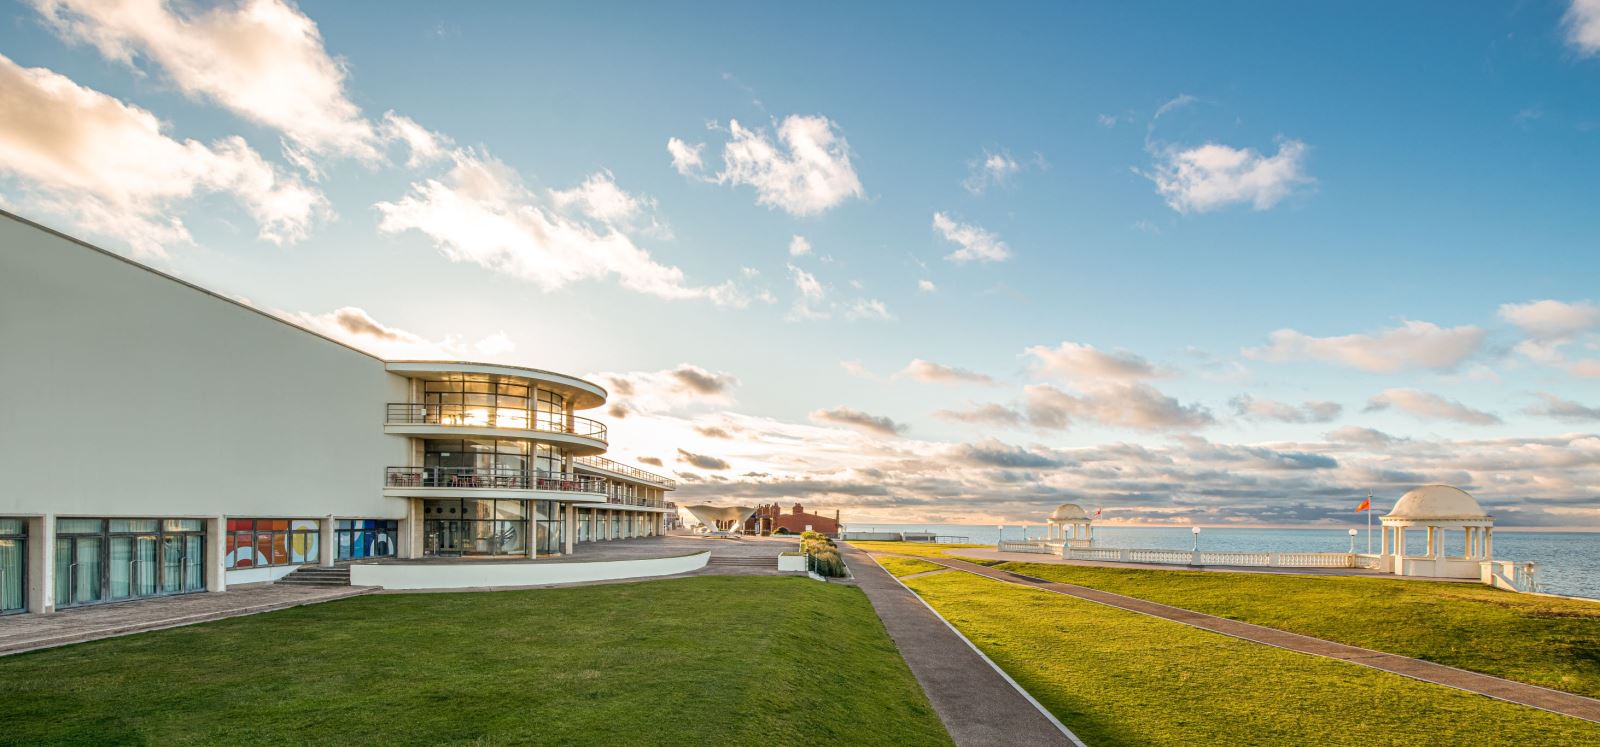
[476,574]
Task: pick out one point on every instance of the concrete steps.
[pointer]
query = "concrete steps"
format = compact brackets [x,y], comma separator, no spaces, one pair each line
[338,575]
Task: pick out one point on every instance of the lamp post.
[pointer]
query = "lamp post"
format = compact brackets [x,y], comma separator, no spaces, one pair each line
[1196,532]
[1000,538]
[1352,542]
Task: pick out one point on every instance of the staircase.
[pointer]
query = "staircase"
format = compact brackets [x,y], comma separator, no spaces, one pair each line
[743,562]
[310,575]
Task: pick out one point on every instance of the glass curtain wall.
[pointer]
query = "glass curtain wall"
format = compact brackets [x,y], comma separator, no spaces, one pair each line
[551,529]
[468,526]
[13,565]
[259,543]
[99,560]
[366,538]
[489,401]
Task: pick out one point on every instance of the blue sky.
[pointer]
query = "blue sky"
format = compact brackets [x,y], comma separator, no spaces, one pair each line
[1225,263]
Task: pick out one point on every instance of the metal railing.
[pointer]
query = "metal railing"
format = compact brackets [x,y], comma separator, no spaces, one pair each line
[489,477]
[488,416]
[628,470]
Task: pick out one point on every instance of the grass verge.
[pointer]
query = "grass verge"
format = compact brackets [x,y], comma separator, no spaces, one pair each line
[900,567]
[1539,640]
[919,549]
[1121,678]
[711,660]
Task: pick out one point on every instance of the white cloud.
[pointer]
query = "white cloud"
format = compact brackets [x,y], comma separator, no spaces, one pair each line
[1429,406]
[1550,319]
[106,164]
[262,59]
[1551,406]
[868,308]
[939,373]
[975,242]
[1080,362]
[686,158]
[1413,345]
[480,212]
[807,173]
[992,169]
[799,246]
[1213,176]
[1265,409]
[926,286]
[423,145]
[600,199]
[1582,22]
[853,418]
[668,390]
[356,328]
[1131,405]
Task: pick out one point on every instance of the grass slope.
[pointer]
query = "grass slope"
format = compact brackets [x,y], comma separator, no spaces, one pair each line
[920,549]
[1121,678]
[900,567]
[713,660]
[1539,640]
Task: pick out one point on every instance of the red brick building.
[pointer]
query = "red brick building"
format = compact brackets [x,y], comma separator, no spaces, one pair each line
[770,518]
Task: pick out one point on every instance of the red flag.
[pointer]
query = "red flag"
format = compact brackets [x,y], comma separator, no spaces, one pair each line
[1097,512]
[1365,505]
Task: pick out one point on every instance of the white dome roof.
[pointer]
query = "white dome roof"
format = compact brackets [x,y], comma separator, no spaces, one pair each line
[1436,502]
[1069,512]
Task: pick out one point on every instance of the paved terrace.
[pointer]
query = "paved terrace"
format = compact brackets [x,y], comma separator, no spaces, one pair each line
[19,633]
[1438,674]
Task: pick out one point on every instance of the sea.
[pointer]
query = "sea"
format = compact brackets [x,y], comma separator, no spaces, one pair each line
[1568,562]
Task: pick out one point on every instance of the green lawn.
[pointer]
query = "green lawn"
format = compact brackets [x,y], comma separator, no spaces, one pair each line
[1541,640]
[712,660]
[921,549]
[901,567]
[1120,678]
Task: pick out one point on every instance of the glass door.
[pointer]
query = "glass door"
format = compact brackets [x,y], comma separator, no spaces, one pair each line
[174,564]
[445,536]
[132,572]
[79,571]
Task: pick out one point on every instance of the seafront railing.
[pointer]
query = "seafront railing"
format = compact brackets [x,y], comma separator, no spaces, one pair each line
[1195,557]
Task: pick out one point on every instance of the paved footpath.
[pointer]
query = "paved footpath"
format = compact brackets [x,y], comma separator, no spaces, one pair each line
[1568,704]
[977,704]
[22,633]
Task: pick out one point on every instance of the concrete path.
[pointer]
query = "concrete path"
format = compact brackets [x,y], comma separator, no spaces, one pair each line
[1556,701]
[978,704]
[20,633]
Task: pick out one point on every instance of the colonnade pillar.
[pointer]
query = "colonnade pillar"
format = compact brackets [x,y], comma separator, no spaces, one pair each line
[42,563]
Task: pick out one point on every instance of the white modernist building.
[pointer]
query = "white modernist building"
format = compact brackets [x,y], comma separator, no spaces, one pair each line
[158,438]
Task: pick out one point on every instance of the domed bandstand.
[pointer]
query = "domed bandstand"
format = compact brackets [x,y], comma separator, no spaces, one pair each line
[1437,510]
[1071,526]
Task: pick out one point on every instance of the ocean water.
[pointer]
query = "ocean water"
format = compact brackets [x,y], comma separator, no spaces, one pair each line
[1569,562]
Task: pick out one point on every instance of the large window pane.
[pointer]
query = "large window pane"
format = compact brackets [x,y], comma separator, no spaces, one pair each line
[12,576]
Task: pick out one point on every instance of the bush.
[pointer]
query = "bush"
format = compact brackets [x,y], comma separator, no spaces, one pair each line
[780,531]
[824,555]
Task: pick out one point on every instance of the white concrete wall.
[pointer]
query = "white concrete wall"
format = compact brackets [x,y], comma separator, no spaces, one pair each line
[127,393]
[477,574]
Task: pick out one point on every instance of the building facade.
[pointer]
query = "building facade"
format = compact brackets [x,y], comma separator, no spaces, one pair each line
[163,439]
[771,518]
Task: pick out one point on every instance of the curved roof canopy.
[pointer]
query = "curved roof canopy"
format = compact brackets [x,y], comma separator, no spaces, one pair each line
[580,394]
[1069,512]
[1435,503]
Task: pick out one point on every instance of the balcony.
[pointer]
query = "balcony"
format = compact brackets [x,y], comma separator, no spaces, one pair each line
[425,481]
[628,470]
[583,436]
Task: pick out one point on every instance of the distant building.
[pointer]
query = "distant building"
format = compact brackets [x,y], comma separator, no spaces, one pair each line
[770,518]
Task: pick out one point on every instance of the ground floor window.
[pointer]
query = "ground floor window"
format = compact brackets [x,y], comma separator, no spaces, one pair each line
[13,568]
[98,560]
[581,519]
[467,526]
[551,530]
[258,543]
[366,538]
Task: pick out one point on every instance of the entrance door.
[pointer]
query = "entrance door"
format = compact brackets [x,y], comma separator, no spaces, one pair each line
[133,566]
[445,536]
[175,563]
[79,571]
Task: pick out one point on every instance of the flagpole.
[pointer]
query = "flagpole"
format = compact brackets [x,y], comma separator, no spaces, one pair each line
[1369,523]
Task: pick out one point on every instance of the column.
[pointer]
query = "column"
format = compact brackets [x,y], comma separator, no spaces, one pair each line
[216,568]
[327,542]
[1400,550]
[1488,543]
[530,509]
[42,564]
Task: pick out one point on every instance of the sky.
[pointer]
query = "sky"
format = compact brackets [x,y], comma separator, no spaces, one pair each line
[1222,263]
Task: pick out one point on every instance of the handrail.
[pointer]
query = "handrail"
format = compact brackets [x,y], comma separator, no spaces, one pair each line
[489,416]
[492,477]
[627,469]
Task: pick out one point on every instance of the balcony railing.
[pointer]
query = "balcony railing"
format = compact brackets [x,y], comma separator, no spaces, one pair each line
[489,477]
[486,416]
[627,469]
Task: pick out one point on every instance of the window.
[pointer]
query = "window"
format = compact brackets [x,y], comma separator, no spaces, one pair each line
[474,527]
[258,543]
[13,571]
[366,538]
[99,560]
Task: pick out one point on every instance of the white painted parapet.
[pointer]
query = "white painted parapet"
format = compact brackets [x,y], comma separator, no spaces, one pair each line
[792,561]
[478,574]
